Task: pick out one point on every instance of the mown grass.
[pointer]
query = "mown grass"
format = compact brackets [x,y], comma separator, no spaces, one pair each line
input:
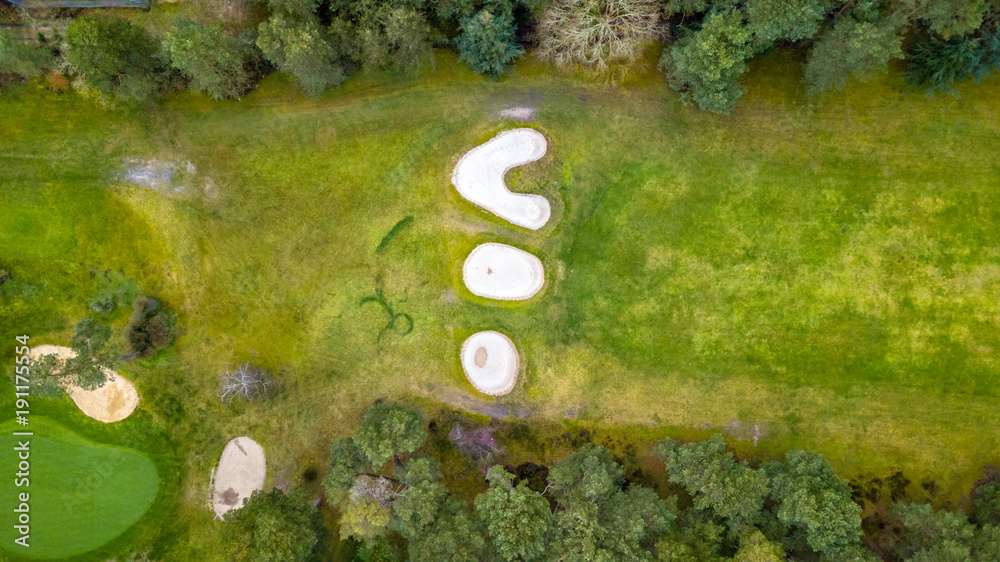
[827,268]
[81,494]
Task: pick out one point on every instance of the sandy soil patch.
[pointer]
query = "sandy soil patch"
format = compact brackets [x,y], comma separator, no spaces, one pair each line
[241,471]
[113,402]
[478,176]
[519,113]
[490,362]
[502,272]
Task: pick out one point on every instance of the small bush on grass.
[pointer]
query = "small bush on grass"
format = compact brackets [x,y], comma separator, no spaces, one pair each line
[150,328]
[113,290]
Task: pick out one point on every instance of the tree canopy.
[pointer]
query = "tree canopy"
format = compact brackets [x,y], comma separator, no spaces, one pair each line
[388,430]
[115,58]
[516,517]
[20,58]
[487,43]
[303,49]
[211,60]
[271,527]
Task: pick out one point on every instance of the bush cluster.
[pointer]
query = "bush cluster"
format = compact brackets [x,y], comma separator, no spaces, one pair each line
[150,328]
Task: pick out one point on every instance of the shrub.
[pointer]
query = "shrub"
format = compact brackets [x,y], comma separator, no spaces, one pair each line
[149,328]
[113,290]
[940,64]
[21,59]
[705,65]
[212,61]
[592,34]
[487,43]
[851,48]
[115,58]
[302,49]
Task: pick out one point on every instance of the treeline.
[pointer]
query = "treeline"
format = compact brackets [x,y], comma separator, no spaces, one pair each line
[393,505]
[706,43]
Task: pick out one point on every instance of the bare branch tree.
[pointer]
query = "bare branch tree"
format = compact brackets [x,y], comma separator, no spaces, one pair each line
[592,34]
[375,488]
[248,382]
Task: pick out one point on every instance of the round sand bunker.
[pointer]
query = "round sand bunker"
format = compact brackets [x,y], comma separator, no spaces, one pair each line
[478,176]
[490,362]
[113,402]
[502,272]
[240,473]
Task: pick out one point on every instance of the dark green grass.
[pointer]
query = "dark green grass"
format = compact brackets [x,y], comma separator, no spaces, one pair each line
[81,494]
[827,267]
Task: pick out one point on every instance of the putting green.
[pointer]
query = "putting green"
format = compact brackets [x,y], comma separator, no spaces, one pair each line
[82,494]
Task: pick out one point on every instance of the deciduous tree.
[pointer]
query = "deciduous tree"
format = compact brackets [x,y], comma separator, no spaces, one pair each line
[792,20]
[852,49]
[115,58]
[705,66]
[718,482]
[389,430]
[594,34]
[487,43]
[22,59]
[390,34]
[516,517]
[87,369]
[271,527]
[211,60]
[812,497]
[303,49]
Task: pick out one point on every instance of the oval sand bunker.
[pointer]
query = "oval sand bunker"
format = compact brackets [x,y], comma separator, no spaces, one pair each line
[478,176]
[113,402]
[502,272]
[490,362]
[241,471]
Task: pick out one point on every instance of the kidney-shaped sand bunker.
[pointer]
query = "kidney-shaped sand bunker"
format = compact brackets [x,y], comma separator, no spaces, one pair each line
[478,177]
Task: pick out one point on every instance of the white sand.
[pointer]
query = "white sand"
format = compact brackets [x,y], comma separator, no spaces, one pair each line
[490,362]
[114,401]
[519,113]
[478,176]
[502,272]
[241,471]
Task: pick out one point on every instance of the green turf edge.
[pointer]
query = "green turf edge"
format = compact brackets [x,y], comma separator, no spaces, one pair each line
[155,531]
